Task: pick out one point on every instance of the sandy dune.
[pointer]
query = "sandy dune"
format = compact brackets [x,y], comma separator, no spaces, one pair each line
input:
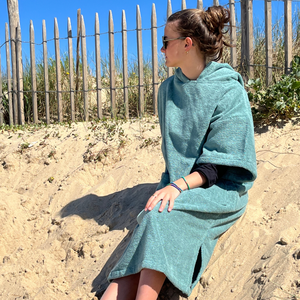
[69,196]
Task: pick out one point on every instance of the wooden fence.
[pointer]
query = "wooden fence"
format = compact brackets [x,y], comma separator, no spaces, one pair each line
[14,96]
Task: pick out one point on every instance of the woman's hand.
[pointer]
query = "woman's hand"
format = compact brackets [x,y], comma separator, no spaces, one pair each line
[165,195]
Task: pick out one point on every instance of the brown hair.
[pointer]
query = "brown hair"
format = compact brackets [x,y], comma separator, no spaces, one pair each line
[205,28]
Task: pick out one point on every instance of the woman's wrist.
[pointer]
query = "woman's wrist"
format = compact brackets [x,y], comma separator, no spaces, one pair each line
[191,181]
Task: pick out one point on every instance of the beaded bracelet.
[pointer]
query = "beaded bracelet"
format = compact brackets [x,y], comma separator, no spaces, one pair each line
[176,186]
[186,183]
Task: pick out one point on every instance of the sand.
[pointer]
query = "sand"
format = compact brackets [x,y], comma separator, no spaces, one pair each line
[70,194]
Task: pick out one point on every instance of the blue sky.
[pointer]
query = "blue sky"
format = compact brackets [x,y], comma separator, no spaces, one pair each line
[38,10]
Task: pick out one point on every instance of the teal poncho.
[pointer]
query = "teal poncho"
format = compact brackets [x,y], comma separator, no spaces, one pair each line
[207,120]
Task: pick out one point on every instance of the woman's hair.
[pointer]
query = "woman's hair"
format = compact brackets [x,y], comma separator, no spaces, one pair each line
[205,28]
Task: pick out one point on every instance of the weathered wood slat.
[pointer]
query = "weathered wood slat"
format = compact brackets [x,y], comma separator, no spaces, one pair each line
[288,35]
[183,4]
[154,58]
[140,61]
[268,43]
[58,72]
[112,64]
[1,98]
[33,74]
[71,70]
[169,12]
[247,39]
[98,66]
[14,75]
[84,71]
[200,4]
[19,65]
[46,77]
[9,85]
[216,2]
[78,50]
[249,19]
[125,63]
[233,55]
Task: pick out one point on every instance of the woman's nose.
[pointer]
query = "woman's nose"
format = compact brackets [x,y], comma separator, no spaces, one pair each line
[162,49]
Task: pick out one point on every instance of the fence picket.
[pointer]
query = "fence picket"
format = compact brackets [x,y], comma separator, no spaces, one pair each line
[19,70]
[183,4]
[216,2]
[288,34]
[46,77]
[112,64]
[84,71]
[140,60]
[9,90]
[169,12]
[78,51]
[1,100]
[33,74]
[233,55]
[71,70]
[250,38]
[268,35]
[98,67]
[200,4]
[125,63]
[154,58]
[58,72]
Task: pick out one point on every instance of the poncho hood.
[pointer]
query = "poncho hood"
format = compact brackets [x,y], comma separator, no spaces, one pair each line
[214,72]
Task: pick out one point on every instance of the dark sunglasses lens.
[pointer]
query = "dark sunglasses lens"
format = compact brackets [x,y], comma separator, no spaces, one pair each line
[165,43]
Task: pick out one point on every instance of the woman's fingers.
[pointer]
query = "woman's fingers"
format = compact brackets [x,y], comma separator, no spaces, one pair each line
[153,200]
[165,195]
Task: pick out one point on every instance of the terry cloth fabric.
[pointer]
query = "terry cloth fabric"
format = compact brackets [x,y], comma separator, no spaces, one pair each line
[207,120]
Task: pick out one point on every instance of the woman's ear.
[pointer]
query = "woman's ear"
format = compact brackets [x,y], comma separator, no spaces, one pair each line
[188,44]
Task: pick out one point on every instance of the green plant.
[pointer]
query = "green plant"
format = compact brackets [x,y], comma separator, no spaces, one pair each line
[280,100]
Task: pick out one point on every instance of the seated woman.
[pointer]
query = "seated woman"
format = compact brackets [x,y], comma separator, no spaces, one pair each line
[208,147]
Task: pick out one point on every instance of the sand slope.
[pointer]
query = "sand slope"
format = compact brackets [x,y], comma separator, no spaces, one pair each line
[69,196]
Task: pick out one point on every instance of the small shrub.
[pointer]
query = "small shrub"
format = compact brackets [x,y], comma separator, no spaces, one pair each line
[278,101]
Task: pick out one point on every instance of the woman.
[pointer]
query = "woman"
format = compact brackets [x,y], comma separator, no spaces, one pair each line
[208,147]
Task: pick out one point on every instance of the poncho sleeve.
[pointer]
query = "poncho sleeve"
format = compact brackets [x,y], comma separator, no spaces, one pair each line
[230,138]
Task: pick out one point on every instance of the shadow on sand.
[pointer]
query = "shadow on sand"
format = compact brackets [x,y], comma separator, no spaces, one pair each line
[110,210]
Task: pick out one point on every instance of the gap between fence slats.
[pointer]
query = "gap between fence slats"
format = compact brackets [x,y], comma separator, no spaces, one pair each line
[98,66]
[112,65]
[46,76]
[58,72]
[125,63]
[71,70]
[140,61]
[33,74]
[288,34]
[9,90]
[19,75]
[268,40]
[154,58]
[84,71]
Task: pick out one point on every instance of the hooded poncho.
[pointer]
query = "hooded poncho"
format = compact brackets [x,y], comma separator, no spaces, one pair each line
[207,120]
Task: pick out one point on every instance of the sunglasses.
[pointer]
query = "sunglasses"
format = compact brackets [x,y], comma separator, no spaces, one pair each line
[165,41]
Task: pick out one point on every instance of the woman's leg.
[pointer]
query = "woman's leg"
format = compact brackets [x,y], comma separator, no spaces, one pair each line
[150,284]
[124,288]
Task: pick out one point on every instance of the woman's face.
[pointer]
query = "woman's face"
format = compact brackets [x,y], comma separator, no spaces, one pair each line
[174,53]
